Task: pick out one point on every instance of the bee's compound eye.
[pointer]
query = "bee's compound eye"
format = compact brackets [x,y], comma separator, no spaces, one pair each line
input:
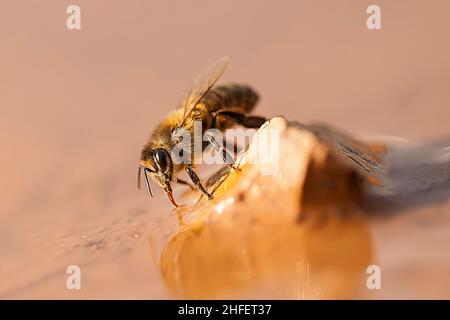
[161,159]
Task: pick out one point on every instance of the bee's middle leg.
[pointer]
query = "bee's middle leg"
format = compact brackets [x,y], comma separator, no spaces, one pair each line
[217,179]
[196,181]
[181,181]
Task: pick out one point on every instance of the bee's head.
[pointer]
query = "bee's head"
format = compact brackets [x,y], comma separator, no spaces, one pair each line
[159,165]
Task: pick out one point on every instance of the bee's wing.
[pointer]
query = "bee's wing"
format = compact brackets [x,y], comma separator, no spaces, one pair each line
[202,84]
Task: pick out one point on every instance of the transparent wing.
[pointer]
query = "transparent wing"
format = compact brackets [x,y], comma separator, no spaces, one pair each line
[202,84]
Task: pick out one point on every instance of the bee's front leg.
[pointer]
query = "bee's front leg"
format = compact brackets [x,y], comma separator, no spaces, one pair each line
[214,182]
[196,180]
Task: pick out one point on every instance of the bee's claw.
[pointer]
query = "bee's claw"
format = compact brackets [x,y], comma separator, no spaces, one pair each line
[235,168]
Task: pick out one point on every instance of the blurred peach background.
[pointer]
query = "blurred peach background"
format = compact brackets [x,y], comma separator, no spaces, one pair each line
[76,107]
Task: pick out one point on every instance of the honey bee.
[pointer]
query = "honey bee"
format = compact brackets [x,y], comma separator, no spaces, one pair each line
[216,106]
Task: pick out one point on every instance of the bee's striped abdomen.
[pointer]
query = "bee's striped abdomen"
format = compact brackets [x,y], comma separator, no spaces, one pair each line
[231,96]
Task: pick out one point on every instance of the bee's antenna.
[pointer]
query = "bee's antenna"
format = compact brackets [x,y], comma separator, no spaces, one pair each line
[148,182]
[139,178]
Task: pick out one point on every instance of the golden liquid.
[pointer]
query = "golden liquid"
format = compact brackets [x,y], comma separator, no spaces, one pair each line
[249,243]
